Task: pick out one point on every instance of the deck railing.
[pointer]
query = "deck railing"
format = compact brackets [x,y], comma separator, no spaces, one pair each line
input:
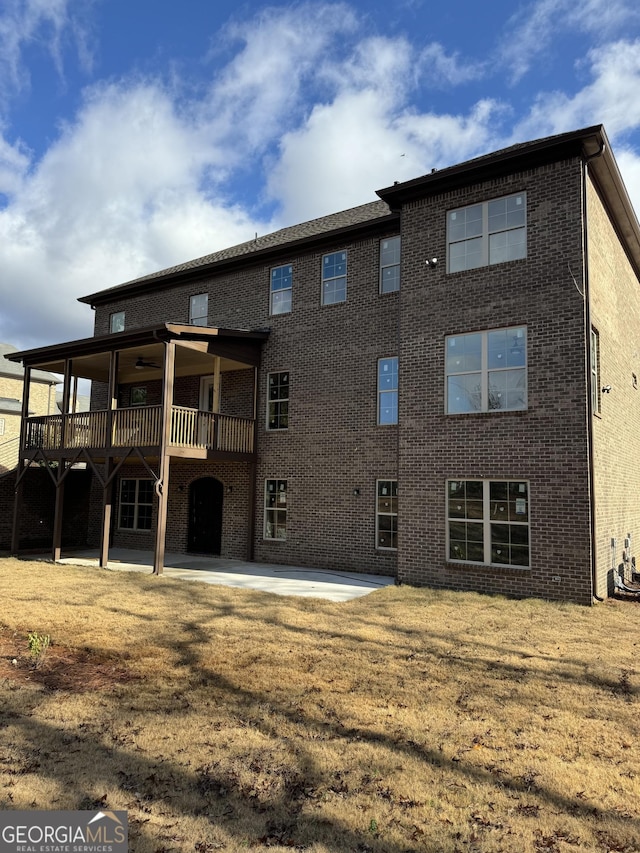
[140,426]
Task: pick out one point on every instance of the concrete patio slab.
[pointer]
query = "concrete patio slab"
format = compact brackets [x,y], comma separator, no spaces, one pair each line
[266,577]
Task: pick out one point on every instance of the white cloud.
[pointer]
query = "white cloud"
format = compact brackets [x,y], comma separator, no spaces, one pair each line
[533,29]
[444,69]
[611,99]
[45,22]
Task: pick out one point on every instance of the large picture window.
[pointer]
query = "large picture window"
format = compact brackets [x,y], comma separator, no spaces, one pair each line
[390,265]
[388,390]
[136,504]
[486,371]
[487,233]
[278,402]
[275,509]
[488,522]
[387,514]
[334,278]
[281,289]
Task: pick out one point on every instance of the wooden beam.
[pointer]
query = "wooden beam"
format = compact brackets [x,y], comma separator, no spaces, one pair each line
[58,513]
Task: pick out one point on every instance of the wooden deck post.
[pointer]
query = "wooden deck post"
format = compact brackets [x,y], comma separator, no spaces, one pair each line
[107,505]
[56,550]
[162,486]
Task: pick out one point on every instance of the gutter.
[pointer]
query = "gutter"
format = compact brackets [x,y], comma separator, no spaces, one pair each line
[586,159]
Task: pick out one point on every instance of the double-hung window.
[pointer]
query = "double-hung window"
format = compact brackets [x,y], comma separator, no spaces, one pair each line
[116,322]
[334,278]
[275,509]
[281,289]
[595,372]
[390,265]
[388,390]
[136,504]
[199,309]
[488,522]
[278,402]
[486,371]
[387,514]
[487,233]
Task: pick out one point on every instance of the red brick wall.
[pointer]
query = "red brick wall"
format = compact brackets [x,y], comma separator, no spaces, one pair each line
[546,444]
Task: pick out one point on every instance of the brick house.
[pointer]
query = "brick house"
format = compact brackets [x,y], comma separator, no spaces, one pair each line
[42,402]
[439,385]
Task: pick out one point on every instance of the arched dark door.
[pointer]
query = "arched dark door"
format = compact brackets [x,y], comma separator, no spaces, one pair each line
[205,516]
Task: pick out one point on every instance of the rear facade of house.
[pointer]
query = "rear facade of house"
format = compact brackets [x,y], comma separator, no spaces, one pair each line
[446,388]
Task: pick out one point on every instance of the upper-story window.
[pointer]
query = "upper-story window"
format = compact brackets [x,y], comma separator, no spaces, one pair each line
[278,402]
[281,289]
[116,322]
[487,233]
[487,371]
[334,278]
[1,426]
[199,309]
[390,265]
[388,390]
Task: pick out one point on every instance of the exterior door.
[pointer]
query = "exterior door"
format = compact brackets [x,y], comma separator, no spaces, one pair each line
[205,516]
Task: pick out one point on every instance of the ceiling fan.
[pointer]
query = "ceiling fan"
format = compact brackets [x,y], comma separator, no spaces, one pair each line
[141,364]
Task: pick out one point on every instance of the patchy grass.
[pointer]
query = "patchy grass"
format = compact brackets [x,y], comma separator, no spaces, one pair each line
[408,720]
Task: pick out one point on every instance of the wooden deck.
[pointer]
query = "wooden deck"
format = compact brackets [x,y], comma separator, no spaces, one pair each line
[192,432]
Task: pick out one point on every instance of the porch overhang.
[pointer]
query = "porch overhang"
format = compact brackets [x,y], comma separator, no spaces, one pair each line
[195,345]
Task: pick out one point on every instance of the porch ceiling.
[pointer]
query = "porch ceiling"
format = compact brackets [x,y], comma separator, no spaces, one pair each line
[195,347]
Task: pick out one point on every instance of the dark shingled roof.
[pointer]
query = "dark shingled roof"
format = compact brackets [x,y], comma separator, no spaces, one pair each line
[313,228]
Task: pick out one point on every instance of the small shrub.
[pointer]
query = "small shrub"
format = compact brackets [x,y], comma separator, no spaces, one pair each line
[38,645]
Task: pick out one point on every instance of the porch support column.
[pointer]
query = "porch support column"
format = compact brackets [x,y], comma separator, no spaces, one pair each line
[107,492]
[17,503]
[60,481]
[107,505]
[162,486]
[253,473]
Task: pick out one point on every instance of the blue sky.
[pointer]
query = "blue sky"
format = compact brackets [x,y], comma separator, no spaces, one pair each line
[138,134]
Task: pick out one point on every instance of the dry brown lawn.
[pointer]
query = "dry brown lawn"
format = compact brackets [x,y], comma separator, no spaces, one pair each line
[408,720]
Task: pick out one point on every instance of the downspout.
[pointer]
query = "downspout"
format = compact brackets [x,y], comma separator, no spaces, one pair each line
[587,312]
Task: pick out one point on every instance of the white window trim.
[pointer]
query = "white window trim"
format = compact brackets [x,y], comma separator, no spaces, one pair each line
[272,292]
[196,320]
[112,318]
[594,359]
[378,514]
[484,372]
[486,523]
[324,280]
[485,262]
[384,267]
[136,505]
[2,426]
[387,391]
[278,400]
[267,509]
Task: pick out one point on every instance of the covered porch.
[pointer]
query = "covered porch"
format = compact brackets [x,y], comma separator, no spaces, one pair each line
[156,395]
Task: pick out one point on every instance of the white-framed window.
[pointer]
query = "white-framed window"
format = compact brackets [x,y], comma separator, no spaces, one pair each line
[275,509]
[199,309]
[334,278]
[387,514]
[388,390]
[116,321]
[2,426]
[595,372]
[488,522]
[486,371]
[136,504]
[390,265]
[281,289]
[487,233]
[278,400]
[139,396]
